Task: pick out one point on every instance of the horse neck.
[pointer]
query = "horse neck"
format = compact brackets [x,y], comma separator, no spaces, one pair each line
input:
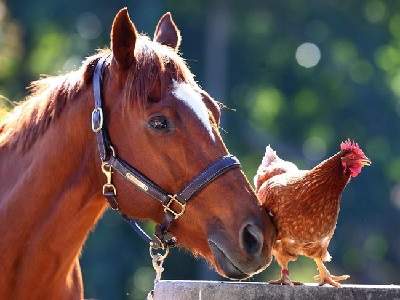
[49,200]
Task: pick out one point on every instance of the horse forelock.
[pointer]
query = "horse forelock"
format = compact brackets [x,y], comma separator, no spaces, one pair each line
[152,60]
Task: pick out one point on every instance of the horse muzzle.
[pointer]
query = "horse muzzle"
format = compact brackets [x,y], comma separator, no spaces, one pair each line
[247,256]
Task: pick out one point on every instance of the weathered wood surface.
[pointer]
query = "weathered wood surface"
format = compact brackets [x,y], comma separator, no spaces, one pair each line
[220,290]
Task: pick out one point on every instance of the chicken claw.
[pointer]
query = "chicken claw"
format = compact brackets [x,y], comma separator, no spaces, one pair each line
[331,279]
[285,280]
[325,277]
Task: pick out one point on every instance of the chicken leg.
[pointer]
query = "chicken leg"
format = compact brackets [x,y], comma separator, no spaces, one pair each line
[325,277]
[284,280]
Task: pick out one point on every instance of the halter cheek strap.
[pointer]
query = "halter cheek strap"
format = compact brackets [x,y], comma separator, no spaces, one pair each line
[174,205]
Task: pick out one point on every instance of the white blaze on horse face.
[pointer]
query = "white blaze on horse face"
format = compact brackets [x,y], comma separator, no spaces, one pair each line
[191,98]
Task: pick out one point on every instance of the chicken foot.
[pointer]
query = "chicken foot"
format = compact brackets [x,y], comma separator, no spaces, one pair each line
[325,277]
[284,280]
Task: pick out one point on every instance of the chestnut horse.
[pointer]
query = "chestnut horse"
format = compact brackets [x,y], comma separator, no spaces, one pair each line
[162,123]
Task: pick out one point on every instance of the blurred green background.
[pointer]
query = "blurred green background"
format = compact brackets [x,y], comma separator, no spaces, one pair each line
[301,75]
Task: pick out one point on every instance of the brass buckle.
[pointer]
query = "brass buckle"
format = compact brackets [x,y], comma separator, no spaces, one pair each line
[97,111]
[168,208]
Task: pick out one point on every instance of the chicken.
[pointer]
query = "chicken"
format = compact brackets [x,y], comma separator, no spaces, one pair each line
[304,205]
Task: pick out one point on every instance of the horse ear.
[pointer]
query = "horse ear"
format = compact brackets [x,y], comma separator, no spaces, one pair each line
[167,33]
[123,39]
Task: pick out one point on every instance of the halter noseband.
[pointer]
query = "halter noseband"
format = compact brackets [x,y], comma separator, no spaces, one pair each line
[174,204]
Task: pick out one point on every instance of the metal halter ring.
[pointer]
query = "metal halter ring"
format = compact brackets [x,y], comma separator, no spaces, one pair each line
[169,209]
[97,124]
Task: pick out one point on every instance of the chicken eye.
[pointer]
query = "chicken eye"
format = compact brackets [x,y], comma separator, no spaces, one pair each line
[159,123]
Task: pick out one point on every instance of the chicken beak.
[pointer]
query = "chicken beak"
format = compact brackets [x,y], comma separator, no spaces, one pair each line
[365,162]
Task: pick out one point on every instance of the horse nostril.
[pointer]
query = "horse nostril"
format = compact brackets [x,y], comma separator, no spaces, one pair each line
[251,239]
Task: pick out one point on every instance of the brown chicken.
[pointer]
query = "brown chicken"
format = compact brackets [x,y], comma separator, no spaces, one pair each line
[304,205]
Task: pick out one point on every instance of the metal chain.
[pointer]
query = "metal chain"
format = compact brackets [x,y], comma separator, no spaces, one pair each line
[157,259]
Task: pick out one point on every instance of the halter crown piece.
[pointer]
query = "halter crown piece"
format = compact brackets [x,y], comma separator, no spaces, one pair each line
[174,205]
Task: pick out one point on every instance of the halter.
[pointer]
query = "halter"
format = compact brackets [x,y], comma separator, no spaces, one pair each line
[174,205]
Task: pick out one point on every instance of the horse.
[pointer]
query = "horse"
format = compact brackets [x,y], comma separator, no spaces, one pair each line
[159,121]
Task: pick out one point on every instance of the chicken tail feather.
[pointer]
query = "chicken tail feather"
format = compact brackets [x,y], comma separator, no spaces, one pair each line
[270,156]
[327,257]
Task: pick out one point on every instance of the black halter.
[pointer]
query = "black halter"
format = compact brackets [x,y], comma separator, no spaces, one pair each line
[174,204]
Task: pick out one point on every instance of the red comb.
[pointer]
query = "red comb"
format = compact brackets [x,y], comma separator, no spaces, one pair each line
[349,145]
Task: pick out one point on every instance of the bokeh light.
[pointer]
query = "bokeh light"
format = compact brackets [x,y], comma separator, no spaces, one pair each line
[266,106]
[375,11]
[88,26]
[314,148]
[395,195]
[308,55]
[306,103]
[360,71]
[375,246]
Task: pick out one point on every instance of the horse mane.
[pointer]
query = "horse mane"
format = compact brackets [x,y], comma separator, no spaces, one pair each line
[44,104]
[49,96]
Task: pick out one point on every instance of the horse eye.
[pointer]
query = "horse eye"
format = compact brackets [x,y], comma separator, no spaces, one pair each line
[159,123]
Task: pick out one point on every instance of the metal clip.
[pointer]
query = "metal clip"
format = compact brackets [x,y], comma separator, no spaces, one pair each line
[157,259]
[169,209]
[108,188]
